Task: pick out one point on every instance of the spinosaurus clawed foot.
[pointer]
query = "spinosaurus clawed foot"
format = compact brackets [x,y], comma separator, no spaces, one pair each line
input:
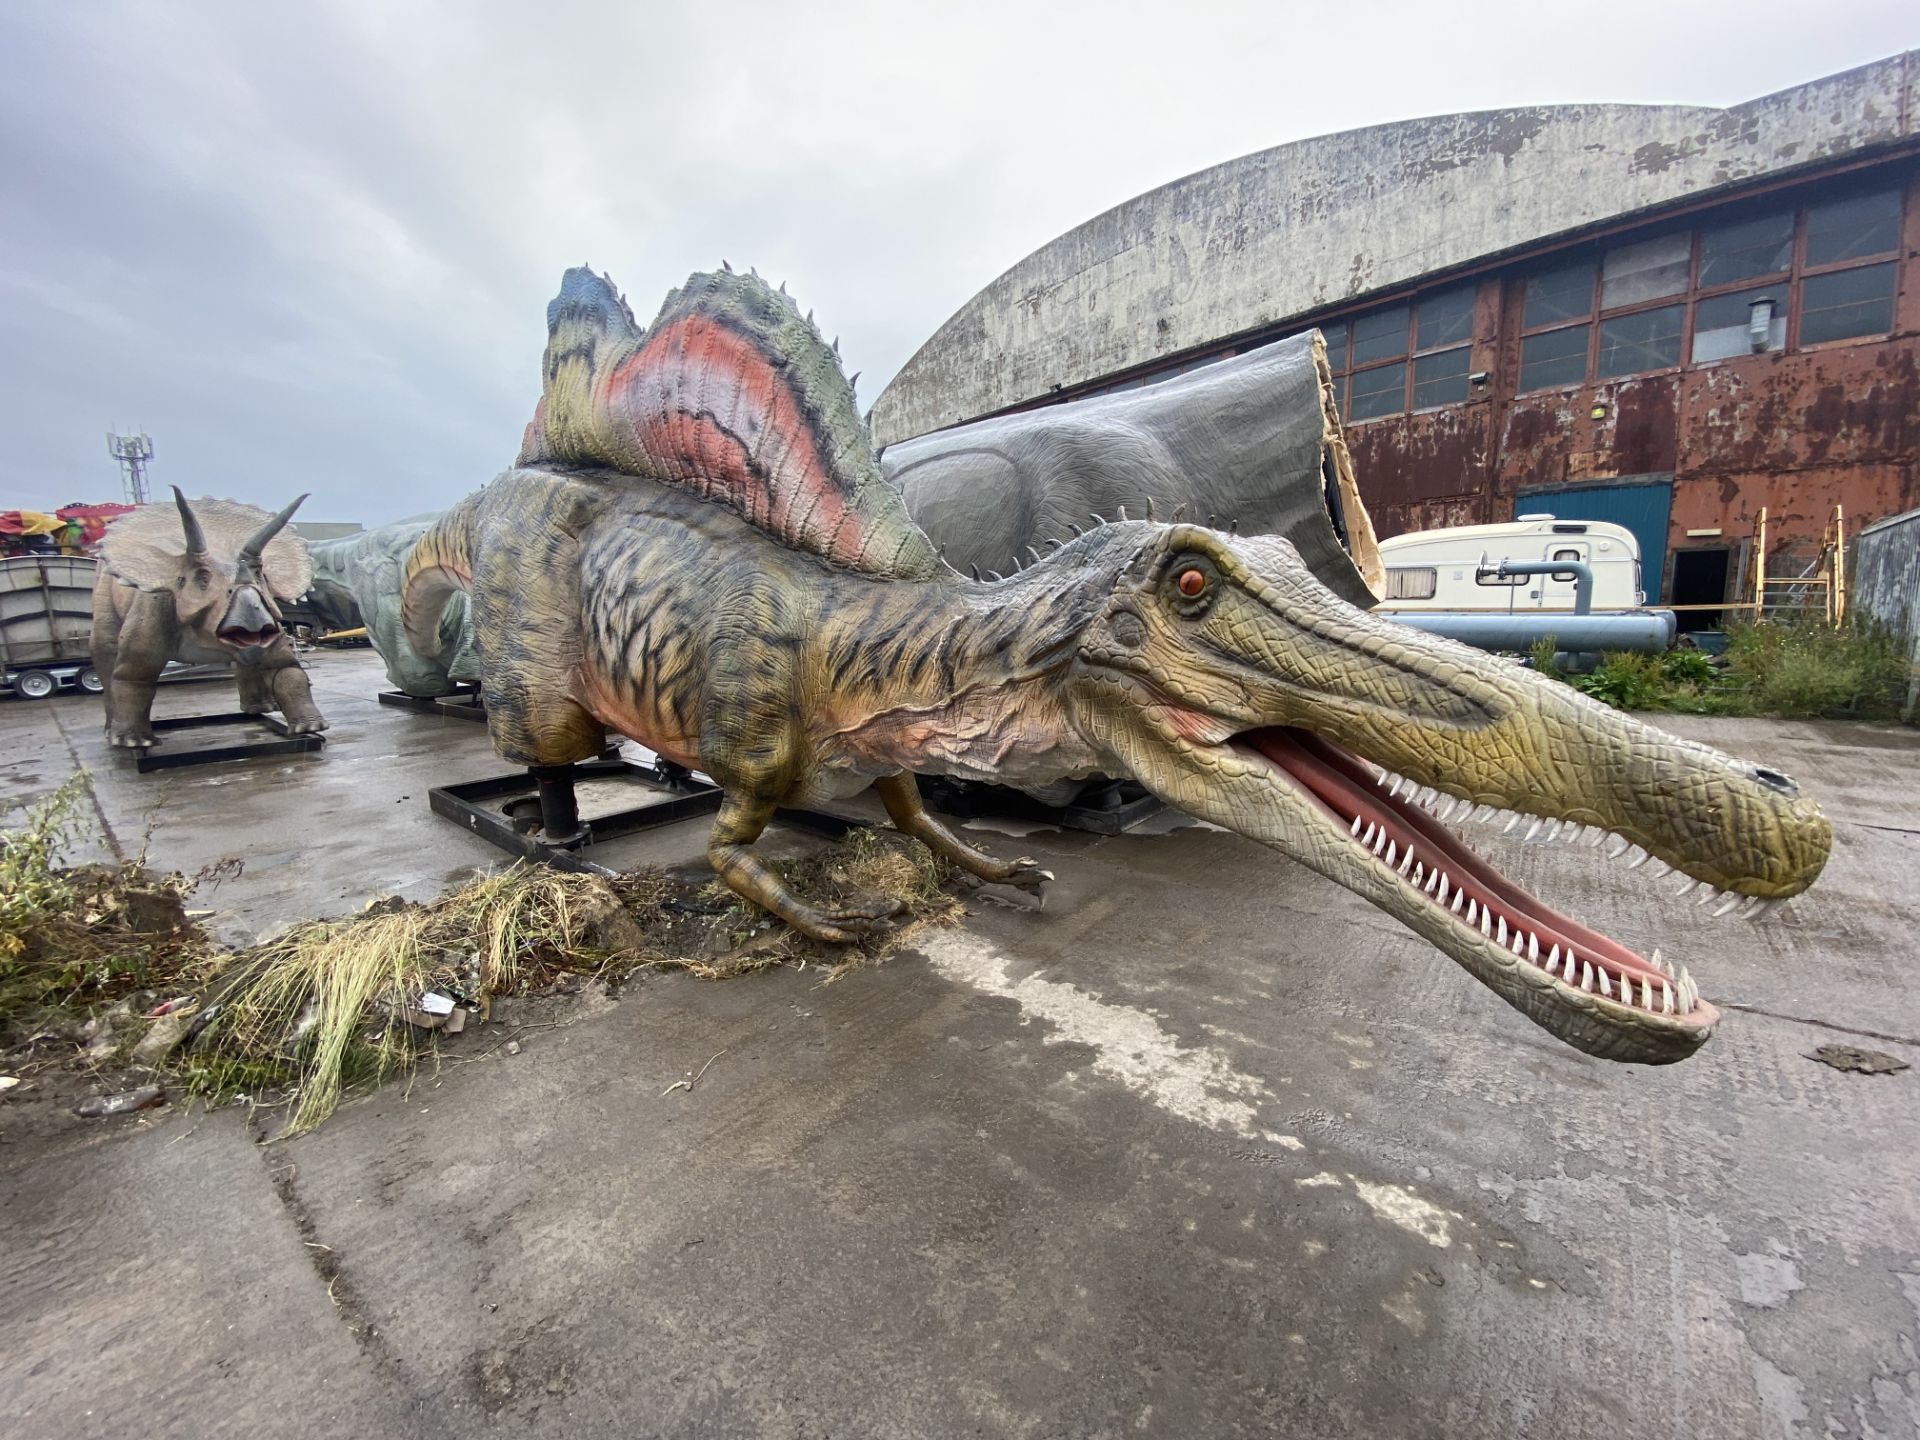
[848,924]
[1025,874]
[309,725]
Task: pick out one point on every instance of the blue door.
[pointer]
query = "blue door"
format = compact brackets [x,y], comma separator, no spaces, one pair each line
[1640,505]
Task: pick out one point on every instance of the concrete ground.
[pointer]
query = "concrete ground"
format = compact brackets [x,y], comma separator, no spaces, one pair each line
[1208,1147]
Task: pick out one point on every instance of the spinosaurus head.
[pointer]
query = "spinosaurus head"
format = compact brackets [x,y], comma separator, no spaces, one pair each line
[226,566]
[1226,679]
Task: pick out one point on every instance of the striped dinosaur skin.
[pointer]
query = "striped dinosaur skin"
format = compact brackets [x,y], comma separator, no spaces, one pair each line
[699,560]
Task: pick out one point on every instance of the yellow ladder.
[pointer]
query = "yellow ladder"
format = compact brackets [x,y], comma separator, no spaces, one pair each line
[1827,575]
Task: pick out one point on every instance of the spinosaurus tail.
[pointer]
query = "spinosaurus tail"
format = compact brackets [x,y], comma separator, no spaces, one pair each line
[734,395]
[439,565]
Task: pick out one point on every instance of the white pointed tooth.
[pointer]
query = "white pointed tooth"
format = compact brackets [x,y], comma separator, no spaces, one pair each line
[1573,831]
[1406,864]
[1486,921]
[1687,886]
[1606,989]
[1507,829]
[1751,910]
[1393,853]
[1660,867]
[1553,961]
[1709,894]
[1385,777]
[1458,896]
[1614,852]
[1726,905]
[1595,835]
[1553,831]
[1666,998]
[1442,892]
[1367,839]
[1473,911]
[1356,825]
[1640,859]
[1646,991]
[1502,936]
[1533,829]
[1433,883]
[1586,975]
[1515,945]
[1689,992]
[1533,947]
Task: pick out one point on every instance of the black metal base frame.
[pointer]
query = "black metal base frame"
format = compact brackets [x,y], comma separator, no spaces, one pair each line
[464,703]
[1106,807]
[511,811]
[284,742]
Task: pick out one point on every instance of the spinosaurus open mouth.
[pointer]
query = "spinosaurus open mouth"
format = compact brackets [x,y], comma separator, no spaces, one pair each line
[1385,821]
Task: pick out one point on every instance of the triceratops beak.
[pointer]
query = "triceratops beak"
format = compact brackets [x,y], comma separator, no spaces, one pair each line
[255,547]
[190,523]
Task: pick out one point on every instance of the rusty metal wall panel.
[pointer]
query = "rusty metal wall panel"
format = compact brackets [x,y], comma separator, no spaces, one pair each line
[1413,458]
[1853,405]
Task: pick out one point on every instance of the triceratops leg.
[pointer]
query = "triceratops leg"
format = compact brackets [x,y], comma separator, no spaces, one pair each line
[256,690]
[730,849]
[901,794]
[293,695]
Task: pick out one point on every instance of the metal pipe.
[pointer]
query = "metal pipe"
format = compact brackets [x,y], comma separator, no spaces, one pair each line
[1582,577]
[1650,631]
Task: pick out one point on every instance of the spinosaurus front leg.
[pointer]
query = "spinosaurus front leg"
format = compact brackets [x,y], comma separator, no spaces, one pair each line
[730,850]
[901,795]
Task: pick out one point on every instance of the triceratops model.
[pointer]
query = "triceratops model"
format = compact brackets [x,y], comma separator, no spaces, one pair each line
[697,550]
[199,583]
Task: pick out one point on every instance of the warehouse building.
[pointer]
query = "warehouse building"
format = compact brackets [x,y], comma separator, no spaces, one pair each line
[1664,316]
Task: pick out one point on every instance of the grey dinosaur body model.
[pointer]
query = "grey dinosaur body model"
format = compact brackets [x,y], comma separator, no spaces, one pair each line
[198,584]
[356,581]
[1250,445]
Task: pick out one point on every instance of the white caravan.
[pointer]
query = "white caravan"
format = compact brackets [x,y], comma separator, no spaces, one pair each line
[1453,569]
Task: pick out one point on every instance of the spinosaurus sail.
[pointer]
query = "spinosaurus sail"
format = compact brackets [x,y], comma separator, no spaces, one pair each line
[697,549]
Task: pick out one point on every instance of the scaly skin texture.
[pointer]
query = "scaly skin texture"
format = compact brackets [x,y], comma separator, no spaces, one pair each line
[173,588]
[1202,664]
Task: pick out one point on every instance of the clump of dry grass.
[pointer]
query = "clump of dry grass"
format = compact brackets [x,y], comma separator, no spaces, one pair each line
[861,866]
[326,1004]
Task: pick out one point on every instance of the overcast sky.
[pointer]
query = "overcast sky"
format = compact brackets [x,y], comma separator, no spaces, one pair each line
[308,246]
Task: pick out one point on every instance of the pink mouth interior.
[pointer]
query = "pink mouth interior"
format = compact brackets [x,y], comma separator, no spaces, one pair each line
[1348,791]
[250,637]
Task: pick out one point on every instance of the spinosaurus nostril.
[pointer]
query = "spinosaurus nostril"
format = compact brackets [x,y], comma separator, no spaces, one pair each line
[1774,780]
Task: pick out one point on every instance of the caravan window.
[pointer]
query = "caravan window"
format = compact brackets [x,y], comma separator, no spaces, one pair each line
[1412,582]
[1565,555]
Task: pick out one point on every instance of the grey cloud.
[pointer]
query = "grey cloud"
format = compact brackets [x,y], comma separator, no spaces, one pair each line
[309,247]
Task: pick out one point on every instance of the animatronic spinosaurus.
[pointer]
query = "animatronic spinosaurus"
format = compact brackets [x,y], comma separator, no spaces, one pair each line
[697,550]
[199,583]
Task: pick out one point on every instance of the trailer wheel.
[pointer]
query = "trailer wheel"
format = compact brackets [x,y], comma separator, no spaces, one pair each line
[91,682]
[35,684]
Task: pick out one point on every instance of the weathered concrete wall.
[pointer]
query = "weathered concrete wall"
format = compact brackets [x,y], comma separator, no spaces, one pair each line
[1283,233]
[1886,585]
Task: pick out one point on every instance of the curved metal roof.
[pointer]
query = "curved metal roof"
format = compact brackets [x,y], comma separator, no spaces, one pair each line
[1292,230]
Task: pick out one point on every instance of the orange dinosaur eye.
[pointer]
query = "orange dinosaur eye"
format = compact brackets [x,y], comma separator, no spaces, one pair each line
[1191,583]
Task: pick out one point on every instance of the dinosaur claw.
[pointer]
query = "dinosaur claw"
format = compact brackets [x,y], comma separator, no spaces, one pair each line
[1026,874]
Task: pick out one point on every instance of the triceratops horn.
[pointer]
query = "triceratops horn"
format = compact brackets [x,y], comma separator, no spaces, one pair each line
[255,547]
[189,522]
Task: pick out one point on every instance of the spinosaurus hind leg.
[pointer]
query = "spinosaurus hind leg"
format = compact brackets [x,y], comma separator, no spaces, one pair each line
[901,794]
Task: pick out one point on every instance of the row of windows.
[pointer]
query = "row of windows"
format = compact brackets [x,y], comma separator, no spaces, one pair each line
[1791,277]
